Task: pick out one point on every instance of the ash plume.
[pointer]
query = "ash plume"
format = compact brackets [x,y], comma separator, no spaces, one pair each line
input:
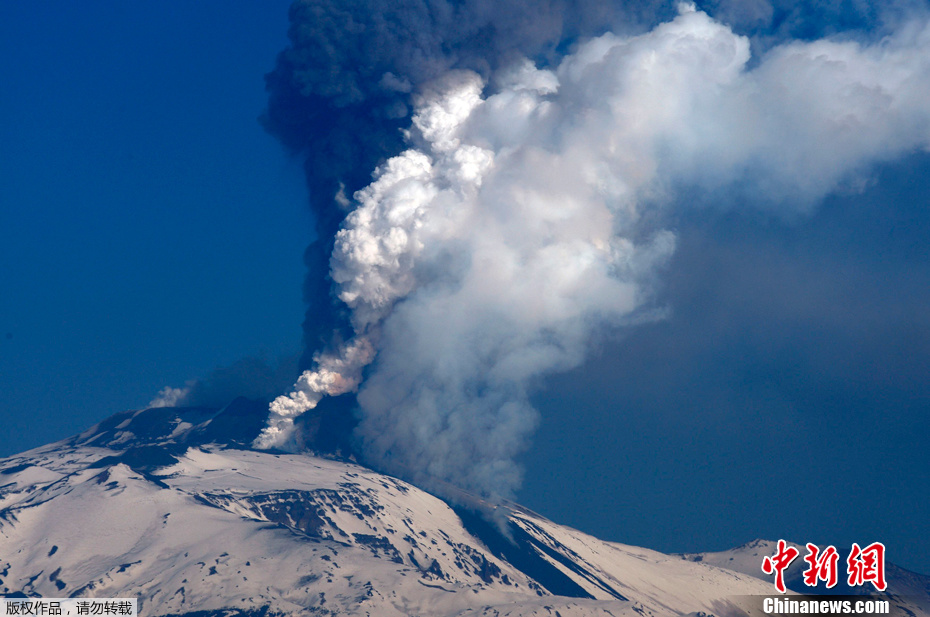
[522,214]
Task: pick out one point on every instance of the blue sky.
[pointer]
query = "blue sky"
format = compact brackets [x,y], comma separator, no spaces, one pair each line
[151,231]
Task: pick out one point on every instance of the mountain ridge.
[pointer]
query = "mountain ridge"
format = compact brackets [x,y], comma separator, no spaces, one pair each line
[171,505]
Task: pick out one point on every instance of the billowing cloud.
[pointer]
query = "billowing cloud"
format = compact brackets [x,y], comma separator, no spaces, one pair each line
[524,222]
[343,90]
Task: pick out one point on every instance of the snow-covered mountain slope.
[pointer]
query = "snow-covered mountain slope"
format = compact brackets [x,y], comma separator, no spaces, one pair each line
[172,507]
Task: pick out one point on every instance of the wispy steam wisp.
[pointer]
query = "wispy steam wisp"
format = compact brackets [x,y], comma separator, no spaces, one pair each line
[520,225]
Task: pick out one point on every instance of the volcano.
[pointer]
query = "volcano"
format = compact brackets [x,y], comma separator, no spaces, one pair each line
[172,506]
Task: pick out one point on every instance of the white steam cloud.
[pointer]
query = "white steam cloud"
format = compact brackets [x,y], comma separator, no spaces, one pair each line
[170,397]
[519,227]
[335,374]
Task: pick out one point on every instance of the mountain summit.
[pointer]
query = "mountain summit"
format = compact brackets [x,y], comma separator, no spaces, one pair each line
[172,506]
